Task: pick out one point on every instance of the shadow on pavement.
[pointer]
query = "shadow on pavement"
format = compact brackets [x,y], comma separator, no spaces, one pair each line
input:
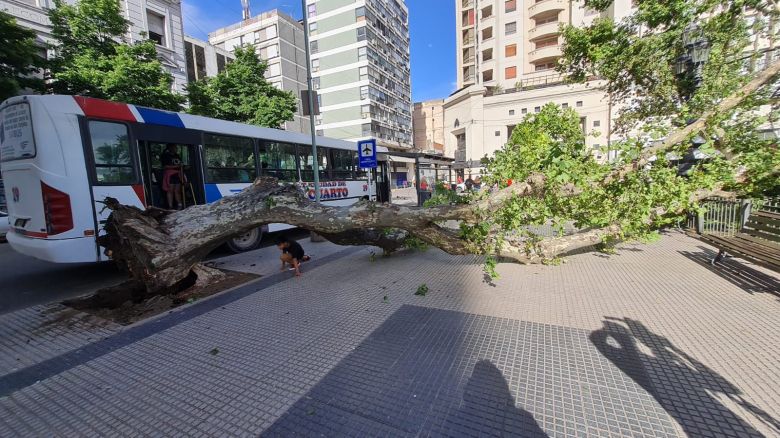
[487,395]
[737,272]
[682,385]
[413,376]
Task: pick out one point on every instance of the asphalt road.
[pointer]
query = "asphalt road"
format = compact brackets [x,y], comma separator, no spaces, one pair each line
[25,281]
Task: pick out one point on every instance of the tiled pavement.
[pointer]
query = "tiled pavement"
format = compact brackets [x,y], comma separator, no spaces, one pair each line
[648,342]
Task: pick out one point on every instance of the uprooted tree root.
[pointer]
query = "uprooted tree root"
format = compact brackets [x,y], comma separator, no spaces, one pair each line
[130,301]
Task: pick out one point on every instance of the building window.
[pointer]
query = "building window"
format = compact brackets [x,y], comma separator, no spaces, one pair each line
[156,24]
[273,70]
[361,33]
[487,12]
[547,42]
[270,32]
[524,111]
[545,66]
[315,65]
[221,61]
[364,92]
[510,5]
[362,53]
[315,82]
[550,19]
[487,75]
[312,8]
[363,71]
[537,109]
[579,103]
[564,105]
[313,28]
[510,28]
[510,72]
[511,112]
[498,133]
[510,50]
[487,54]
[487,33]
[365,111]
[315,47]
[596,123]
[360,13]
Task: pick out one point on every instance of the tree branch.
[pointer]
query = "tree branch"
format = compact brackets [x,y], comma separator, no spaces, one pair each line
[676,137]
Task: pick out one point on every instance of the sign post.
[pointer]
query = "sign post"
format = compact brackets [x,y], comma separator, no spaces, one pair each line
[367,154]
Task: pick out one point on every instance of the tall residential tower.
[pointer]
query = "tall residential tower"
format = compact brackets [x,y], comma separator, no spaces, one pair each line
[360,65]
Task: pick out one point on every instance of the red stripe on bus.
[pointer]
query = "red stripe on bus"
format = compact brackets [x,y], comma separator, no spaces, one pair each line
[104,109]
[139,191]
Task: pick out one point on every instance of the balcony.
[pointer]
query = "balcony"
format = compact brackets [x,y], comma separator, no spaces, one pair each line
[549,52]
[546,6]
[544,30]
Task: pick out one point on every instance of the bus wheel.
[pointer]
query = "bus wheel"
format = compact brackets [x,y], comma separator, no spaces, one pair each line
[246,242]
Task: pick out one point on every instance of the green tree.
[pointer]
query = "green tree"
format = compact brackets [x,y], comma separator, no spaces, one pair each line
[19,59]
[242,94]
[92,59]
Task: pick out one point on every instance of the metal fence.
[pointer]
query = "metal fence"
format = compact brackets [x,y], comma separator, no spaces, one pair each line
[725,217]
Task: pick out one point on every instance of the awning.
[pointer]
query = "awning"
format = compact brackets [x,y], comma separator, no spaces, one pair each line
[400,159]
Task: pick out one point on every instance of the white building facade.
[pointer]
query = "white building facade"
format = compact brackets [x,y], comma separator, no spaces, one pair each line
[278,39]
[159,20]
[507,52]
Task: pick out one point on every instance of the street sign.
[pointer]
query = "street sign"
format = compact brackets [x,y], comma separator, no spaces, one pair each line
[367,153]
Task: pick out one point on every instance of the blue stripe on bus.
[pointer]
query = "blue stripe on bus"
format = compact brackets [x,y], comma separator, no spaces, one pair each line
[157,117]
[212,193]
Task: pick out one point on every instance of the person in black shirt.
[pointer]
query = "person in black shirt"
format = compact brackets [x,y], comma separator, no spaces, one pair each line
[292,254]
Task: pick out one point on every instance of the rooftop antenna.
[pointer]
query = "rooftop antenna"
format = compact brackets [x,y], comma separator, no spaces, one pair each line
[246,13]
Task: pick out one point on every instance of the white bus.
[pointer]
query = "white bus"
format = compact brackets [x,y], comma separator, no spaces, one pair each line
[60,156]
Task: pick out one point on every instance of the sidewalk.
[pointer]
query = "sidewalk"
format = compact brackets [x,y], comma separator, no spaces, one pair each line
[648,342]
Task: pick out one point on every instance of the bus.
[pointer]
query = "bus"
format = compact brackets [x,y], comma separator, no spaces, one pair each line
[61,156]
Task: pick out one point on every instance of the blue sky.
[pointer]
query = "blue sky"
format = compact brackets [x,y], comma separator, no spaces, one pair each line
[431,27]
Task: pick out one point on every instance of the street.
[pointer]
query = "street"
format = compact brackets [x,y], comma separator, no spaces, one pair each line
[25,281]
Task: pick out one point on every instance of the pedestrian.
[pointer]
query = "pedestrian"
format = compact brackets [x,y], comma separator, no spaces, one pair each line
[173,176]
[292,254]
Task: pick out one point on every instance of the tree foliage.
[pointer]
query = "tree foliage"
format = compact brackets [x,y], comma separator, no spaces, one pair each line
[242,94]
[93,59]
[638,59]
[19,58]
[635,61]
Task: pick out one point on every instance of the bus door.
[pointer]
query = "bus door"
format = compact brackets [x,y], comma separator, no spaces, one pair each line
[112,163]
[170,164]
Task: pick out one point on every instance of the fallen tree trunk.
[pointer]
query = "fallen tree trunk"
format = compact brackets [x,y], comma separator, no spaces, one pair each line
[161,249]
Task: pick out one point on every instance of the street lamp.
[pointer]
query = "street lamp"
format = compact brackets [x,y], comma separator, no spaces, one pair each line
[315,161]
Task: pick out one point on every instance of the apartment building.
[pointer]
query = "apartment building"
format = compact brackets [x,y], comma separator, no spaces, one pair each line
[158,20]
[428,123]
[278,39]
[507,52]
[360,64]
[203,59]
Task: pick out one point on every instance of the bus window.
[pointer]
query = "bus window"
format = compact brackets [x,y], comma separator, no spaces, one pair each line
[360,173]
[229,159]
[278,160]
[111,150]
[343,164]
[307,165]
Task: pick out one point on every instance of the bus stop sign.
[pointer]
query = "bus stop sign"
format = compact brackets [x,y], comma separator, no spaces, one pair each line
[367,154]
